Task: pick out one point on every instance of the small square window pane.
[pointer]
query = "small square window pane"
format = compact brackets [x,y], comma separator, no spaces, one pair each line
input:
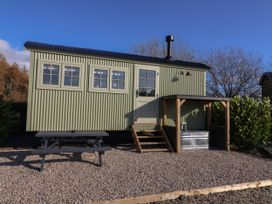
[142,73]
[55,80]
[115,75]
[67,71]
[96,73]
[103,83]
[122,76]
[115,84]
[45,69]
[104,74]
[100,73]
[150,83]
[96,83]
[121,84]
[118,84]
[46,79]
[75,81]
[55,69]
[151,74]
[118,75]
[142,83]
[67,81]
[75,71]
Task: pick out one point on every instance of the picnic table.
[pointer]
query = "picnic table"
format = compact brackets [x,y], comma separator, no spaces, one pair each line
[54,142]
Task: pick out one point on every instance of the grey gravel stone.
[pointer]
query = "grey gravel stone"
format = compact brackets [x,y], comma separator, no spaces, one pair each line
[249,196]
[124,174]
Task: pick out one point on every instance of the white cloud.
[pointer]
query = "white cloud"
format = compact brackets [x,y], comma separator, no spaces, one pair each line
[14,55]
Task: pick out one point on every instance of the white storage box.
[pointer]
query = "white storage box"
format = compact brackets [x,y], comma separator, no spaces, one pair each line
[194,140]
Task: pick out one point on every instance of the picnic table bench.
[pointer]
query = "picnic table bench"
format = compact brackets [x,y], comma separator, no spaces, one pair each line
[70,142]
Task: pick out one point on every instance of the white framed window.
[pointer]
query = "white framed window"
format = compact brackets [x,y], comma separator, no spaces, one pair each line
[58,75]
[71,76]
[118,81]
[51,74]
[100,78]
[108,79]
[147,82]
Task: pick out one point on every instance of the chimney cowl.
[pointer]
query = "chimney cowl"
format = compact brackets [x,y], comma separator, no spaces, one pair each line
[169,39]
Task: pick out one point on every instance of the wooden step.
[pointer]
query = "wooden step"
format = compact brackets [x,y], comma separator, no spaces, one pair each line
[149,136]
[155,150]
[152,143]
[145,124]
[148,131]
[145,140]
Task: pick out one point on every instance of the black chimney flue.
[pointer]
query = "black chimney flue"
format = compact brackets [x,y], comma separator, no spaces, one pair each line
[169,39]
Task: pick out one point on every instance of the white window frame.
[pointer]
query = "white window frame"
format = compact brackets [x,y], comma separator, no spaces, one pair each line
[109,88]
[40,83]
[114,89]
[81,76]
[126,81]
[60,86]
[92,79]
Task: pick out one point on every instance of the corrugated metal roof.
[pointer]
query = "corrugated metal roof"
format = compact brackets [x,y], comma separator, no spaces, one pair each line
[108,54]
[266,75]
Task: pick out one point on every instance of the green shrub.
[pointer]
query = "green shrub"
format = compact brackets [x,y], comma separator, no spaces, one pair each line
[218,114]
[251,121]
[8,119]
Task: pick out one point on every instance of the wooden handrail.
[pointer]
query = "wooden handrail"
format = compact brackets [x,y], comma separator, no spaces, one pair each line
[136,140]
[166,139]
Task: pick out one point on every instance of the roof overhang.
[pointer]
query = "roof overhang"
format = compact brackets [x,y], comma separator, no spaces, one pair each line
[195,98]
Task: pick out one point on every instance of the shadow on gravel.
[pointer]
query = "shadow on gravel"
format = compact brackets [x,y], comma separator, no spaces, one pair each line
[17,158]
[127,147]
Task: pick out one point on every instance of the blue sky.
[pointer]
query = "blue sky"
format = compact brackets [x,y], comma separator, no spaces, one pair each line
[118,25]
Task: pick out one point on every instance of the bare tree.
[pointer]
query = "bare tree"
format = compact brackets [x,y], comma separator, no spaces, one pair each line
[234,72]
[154,48]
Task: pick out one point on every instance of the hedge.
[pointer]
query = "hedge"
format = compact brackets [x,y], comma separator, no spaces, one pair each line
[251,121]
[8,119]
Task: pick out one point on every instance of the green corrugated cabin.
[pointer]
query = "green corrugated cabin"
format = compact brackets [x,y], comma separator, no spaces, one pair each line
[73,88]
[84,89]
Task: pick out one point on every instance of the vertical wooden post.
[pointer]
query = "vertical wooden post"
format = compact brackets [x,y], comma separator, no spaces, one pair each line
[209,115]
[227,123]
[164,103]
[178,125]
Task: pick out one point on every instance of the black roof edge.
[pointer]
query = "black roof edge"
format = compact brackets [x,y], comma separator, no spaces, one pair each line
[109,54]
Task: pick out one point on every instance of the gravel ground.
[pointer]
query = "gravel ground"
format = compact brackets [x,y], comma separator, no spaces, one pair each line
[124,174]
[257,195]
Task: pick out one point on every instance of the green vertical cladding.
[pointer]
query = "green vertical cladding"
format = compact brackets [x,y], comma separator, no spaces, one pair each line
[52,110]
[175,80]
[59,110]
